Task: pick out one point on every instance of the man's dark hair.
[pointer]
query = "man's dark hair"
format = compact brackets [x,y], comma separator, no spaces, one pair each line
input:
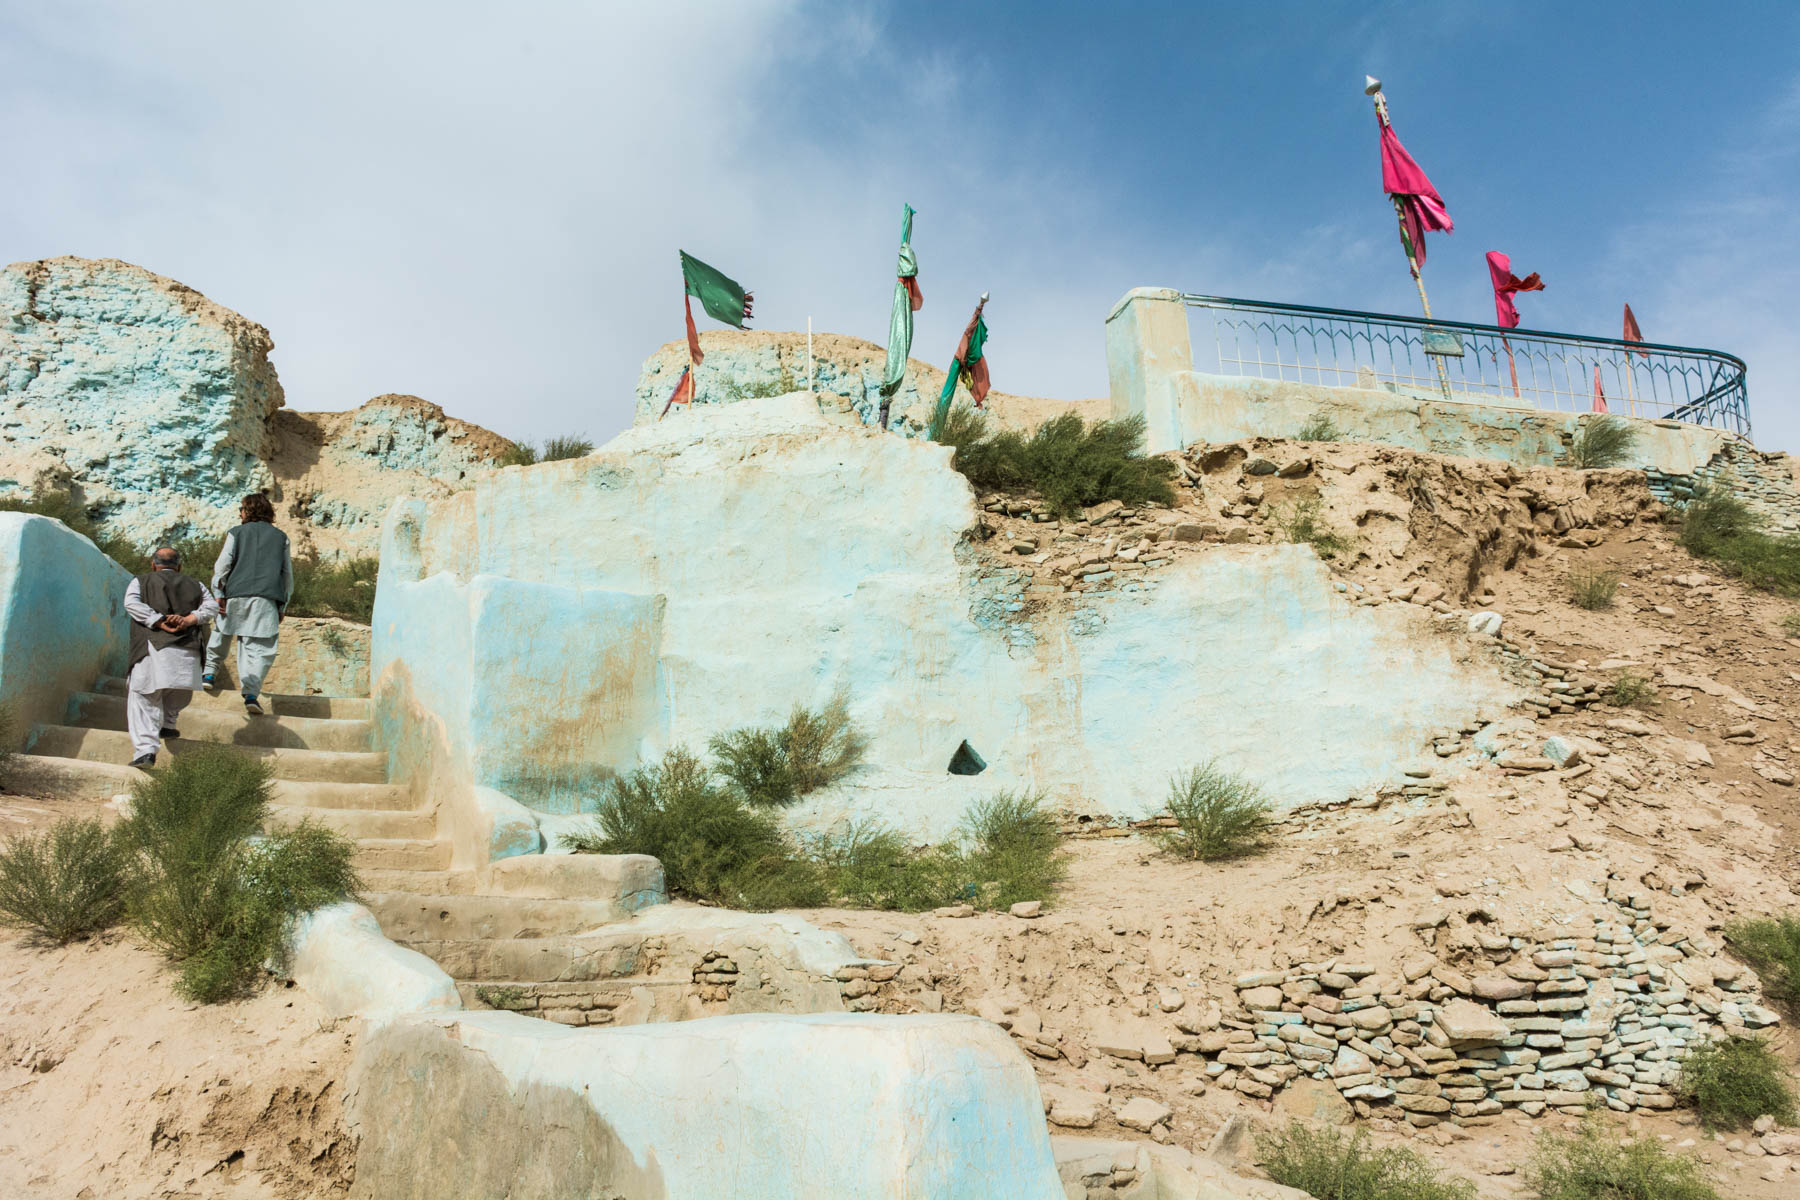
[258,508]
[166,556]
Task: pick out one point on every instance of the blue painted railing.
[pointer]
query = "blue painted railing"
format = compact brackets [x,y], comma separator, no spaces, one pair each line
[1475,363]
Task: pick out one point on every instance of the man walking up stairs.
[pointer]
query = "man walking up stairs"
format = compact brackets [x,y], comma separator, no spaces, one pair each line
[255,578]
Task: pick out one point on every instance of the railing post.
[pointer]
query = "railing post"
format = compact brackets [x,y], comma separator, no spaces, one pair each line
[1147,343]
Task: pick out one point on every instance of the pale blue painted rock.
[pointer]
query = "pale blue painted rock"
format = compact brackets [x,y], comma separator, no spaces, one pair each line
[148,398]
[754,364]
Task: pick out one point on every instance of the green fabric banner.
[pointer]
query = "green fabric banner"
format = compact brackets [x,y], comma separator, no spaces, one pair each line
[964,368]
[720,296]
[900,323]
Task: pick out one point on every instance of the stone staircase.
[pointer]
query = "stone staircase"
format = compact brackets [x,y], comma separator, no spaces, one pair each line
[319,748]
[556,936]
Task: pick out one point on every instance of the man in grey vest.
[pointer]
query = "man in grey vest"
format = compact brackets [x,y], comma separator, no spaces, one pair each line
[166,610]
[254,576]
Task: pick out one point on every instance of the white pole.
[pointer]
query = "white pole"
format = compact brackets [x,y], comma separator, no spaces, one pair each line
[809,358]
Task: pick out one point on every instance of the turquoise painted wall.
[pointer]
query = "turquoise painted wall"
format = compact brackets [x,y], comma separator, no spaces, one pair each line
[62,620]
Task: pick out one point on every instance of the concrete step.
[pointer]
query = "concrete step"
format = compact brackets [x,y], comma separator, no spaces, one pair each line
[404,854]
[410,917]
[113,746]
[295,793]
[363,824]
[632,1000]
[421,883]
[536,959]
[232,728]
[352,708]
[69,778]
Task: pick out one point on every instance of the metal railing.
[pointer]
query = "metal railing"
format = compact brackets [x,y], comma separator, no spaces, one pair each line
[1481,364]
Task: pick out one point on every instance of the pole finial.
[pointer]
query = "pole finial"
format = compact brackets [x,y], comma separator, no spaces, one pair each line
[984,297]
[1371,85]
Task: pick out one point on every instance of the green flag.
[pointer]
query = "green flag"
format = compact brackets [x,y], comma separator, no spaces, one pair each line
[720,296]
[969,365]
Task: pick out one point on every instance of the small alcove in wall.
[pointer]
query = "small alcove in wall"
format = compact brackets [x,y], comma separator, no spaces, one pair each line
[966,762]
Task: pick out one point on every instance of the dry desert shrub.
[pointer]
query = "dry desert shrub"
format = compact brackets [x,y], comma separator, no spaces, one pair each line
[1329,1165]
[205,890]
[1218,815]
[1772,946]
[1593,1164]
[1605,441]
[1735,1080]
[1592,589]
[64,883]
[1068,462]
[775,767]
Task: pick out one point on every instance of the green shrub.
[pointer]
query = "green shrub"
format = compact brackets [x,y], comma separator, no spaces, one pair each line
[775,767]
[1605,441]
[868,866]
[1318,428]
[1772,946]
[1592,1164]
[716,846]
[524,454]
[203,891]
[567,446]
[64,883]
[1332,1166]
[64,508]
[1630,690]
[1066,461]
[507,999]
[1790,625]
[1302,522]
[342,587]
[1007,849]
[1218,815]
[712,844]
[1592,589]
[1735,1080]
[1717,525]
[9,733]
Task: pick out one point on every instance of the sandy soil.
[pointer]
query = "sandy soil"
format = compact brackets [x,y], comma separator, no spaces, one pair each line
[113,1088]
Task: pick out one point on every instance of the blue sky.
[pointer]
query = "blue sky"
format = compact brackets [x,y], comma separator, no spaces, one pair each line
[481,204]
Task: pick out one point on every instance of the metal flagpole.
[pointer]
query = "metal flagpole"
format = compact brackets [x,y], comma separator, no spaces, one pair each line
[1373,88]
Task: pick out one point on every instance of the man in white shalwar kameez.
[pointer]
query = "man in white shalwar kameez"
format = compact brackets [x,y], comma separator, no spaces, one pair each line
[167,611]
[254,575]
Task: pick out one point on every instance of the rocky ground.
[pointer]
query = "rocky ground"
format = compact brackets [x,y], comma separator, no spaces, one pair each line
[1579,857]
[1572,864]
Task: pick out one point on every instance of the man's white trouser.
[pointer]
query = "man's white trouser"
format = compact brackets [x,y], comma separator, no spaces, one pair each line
[255,658]
[147,714]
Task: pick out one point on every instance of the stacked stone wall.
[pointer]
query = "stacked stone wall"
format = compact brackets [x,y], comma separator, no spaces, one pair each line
[1600,1013]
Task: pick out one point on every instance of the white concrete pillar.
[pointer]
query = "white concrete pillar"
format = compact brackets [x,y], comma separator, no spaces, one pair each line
[1146,344]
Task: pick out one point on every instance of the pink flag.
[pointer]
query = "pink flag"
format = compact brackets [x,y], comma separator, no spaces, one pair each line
[1505,284]
[1421,207]
[1632,332]
[1599,392]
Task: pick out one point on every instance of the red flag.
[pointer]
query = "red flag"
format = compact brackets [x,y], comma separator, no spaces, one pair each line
[915,297]
[695,355]
[1421,208]
[1632,332]
[1505,284]
[684,391]
[1599,392]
